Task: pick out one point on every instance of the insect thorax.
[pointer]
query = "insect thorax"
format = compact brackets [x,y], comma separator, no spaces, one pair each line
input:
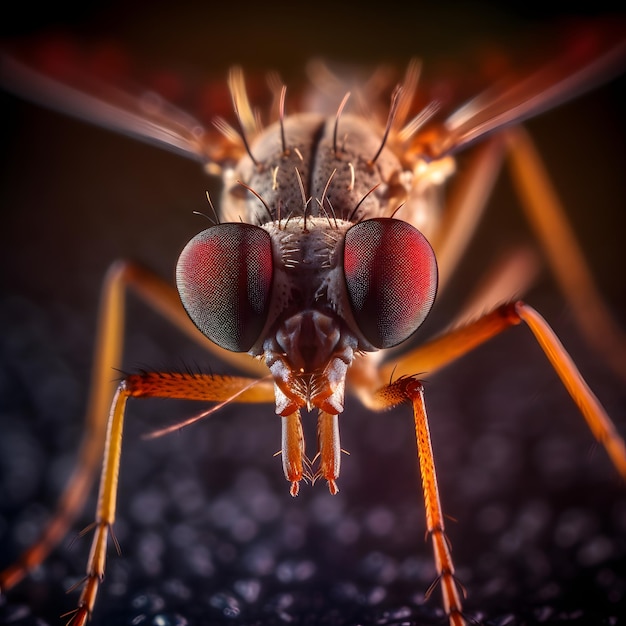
[324,167]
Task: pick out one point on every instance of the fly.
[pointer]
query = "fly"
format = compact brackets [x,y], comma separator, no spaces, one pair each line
[330,246]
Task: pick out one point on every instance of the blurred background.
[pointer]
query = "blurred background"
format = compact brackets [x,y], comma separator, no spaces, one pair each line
[209,533]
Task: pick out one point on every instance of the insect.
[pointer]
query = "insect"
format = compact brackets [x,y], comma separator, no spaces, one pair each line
[375,183]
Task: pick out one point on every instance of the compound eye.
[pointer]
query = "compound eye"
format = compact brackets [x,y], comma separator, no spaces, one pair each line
[224,277]
[391,276]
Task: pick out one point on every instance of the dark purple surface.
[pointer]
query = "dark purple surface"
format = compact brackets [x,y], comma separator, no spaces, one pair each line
[208,530]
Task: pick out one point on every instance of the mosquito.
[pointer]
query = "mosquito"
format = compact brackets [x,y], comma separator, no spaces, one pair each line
[326,254]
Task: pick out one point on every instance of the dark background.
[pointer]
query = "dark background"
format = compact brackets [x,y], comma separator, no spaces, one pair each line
[208,530]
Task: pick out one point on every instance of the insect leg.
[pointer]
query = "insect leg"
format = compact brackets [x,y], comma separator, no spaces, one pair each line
[108,354]
[437,353]
[150,385]
[107,359]
[442,350]
[410,389]
[547,217]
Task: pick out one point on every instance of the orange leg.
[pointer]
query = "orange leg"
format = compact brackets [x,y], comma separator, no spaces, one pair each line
[107,361]
[547,216]
[442,350]
[434,355]
[151,385]
[410,389]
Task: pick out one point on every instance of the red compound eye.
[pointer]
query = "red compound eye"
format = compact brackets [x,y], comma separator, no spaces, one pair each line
[391,276]
[224,277]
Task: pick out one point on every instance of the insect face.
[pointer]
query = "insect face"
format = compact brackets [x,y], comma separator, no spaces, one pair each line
[316,274]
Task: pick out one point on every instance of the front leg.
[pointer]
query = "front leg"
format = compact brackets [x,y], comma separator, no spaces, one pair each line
[436,354]
[203,387]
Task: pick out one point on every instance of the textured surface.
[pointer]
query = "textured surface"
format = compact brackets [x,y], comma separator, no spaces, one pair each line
[209,533]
